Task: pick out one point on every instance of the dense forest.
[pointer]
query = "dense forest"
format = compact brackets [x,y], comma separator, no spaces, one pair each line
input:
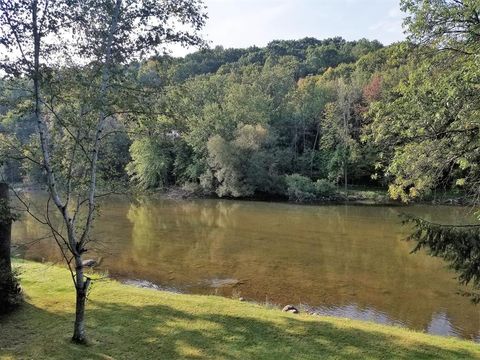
[298,119]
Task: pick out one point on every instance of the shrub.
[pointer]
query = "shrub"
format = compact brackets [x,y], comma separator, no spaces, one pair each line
[324,188]
[300,188]
[191,188]
[10,292]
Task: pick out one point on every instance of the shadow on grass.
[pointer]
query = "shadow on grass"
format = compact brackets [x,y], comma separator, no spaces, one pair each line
[121,331]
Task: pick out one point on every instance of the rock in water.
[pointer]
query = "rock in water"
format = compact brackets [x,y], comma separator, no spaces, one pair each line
[89,263]
[291,309]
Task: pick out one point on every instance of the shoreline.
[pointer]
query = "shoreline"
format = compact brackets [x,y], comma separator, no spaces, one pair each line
[128,322]
[304,309]
[357,195]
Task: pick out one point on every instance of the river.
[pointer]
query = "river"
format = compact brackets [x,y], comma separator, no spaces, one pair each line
[340,260]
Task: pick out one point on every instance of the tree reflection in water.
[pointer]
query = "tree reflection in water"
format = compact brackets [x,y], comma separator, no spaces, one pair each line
[341,260]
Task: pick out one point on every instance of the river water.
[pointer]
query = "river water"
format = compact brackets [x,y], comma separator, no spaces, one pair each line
[341,260]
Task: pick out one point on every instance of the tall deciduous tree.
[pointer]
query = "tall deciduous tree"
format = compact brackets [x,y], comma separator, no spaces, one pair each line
[452,25]
[432,123]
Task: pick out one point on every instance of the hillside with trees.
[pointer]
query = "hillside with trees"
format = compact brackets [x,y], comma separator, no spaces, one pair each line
[296,119]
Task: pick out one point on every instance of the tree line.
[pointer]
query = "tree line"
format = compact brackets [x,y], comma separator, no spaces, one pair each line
[296,119]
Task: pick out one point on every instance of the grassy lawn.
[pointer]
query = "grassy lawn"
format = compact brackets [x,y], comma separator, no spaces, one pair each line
[125,322]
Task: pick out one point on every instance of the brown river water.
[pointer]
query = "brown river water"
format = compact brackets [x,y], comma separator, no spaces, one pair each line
[341,260]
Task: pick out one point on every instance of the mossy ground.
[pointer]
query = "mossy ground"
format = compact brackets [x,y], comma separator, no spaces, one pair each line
[124,322]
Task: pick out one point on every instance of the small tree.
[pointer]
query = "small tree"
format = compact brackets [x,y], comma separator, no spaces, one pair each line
[71,125]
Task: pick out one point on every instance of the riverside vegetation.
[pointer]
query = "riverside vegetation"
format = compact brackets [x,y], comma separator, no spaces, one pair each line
[298,120]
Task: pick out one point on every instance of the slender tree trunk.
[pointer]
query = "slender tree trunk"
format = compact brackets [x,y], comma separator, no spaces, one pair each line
[304,136]
[82,283]
[313,150]
[5,235]
[81,288]
[79,335]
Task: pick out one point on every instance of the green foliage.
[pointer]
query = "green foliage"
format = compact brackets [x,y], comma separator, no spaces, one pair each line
[218,107]
[427,122]
[225,167]
[300,188]
[350,112]
[458,245]
[444,24]
[10,292]
[429,126]
[150,163]
[114,157]
[241,167]
[321,58]
[303,189]
[197,119]
[324,188]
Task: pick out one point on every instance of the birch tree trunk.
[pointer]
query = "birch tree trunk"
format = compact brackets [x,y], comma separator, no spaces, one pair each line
[81,287]
[81,283]
[76,248]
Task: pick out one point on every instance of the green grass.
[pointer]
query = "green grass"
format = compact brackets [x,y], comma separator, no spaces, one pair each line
[125,322]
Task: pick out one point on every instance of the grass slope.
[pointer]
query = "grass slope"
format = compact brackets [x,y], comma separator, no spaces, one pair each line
[125,322]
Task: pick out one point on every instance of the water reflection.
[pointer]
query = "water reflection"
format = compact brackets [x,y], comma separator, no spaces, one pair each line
[441,325]
[352,311]
[341,260]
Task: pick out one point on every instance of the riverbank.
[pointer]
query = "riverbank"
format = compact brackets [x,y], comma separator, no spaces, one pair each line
[355,195]
[359,195]
[125,322]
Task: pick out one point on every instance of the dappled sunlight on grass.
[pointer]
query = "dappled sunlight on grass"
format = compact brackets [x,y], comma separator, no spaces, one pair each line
[129,323]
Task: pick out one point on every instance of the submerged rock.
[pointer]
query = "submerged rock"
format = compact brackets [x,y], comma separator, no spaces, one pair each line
[144,284]
[291,309]
[89,263]
[92,262]
[218,283]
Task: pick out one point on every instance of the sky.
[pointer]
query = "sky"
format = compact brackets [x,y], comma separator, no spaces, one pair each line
[243,23]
